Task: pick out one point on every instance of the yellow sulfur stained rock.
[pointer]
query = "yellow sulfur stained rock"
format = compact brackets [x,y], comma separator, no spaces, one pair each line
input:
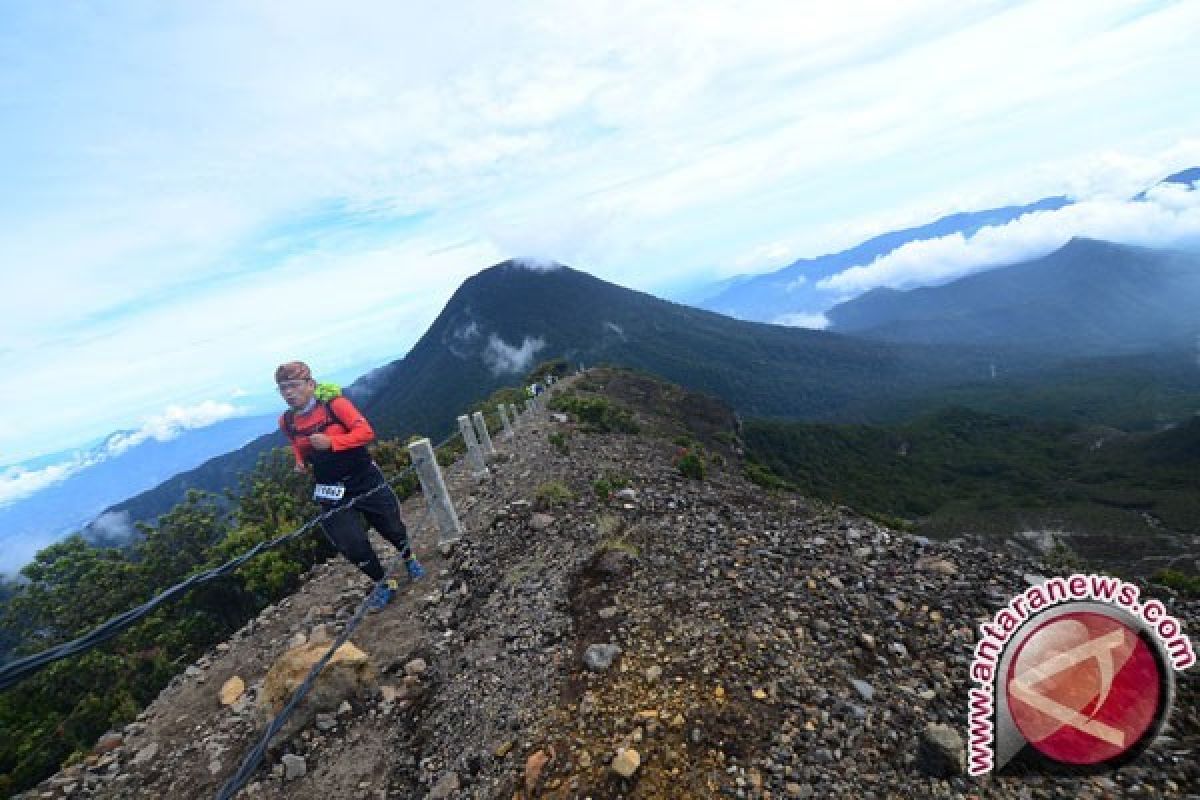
[232,691]
[348,672]
[626,763]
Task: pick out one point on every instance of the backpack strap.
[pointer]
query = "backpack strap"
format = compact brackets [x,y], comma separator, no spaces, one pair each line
[331,415]
[289,420]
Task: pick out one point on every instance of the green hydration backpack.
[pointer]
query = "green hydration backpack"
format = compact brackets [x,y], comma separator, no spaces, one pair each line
[325,394]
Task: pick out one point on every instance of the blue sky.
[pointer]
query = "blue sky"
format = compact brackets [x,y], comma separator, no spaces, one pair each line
[194,192]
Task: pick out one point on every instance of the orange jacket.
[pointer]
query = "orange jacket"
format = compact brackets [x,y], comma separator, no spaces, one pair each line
[347,429]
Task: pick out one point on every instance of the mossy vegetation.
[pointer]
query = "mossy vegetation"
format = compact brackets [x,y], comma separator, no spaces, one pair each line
[609,483]
[1185,584]
[596,414]
[690,463]
[552,494]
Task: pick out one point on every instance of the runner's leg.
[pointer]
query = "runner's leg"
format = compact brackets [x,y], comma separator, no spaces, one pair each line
[345,530]
[382,511]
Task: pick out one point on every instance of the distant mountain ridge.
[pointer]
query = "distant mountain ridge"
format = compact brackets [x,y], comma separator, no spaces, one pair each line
[792,289]
[112,474]
[500,322]
[1088,298]
[1187,177]
[790,295]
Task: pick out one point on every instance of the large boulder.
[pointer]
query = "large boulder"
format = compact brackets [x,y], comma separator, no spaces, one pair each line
[941,752]
[348,675]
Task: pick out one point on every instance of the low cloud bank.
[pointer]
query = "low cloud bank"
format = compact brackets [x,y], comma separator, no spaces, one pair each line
[537,264]
[19,551]
[111,528]
[1168,216]
[169,424]
[815,321]
[502,358]
[17,482]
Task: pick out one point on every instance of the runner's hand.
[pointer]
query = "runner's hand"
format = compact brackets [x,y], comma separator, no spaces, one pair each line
[320,441]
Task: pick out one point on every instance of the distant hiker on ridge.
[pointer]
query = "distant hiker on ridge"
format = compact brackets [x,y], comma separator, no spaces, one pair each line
[329,434]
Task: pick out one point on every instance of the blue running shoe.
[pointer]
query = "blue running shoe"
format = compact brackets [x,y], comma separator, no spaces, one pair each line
[415,570]
[381,595]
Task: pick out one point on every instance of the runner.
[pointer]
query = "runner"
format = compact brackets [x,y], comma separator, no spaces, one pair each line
[330,435]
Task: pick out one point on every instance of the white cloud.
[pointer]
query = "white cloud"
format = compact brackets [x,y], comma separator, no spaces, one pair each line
[169,424]
[235,157]
[466,332]
[111,527]
[765,257]
[18,482]
[537,264]
[814,321]
[502,358]
[21,550]
[1170,214]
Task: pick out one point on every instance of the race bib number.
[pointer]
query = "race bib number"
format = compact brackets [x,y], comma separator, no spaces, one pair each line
[328,492]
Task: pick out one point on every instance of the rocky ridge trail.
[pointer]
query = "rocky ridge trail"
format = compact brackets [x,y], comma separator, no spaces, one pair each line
[651,637]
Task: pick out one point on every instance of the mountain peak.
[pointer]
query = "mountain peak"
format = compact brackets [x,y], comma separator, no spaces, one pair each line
[1187,177]
[535,265]
[1086,244]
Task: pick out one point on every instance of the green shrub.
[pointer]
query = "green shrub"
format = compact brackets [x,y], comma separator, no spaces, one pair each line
[895,523]
[559,441]
[1181,582]
[558,367]
[595,414]
[691,464]
[608,484]
[764,477]
[552,494]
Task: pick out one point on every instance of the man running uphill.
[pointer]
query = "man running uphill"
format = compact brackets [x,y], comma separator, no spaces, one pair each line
[331,436]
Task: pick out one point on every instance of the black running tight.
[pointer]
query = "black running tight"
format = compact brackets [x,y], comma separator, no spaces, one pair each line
[381,510]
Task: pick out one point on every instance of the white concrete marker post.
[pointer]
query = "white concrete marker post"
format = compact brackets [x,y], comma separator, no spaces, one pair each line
[528,405]
[434,489]
[485,438]
[475,459]
[508,431]
[512,410]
